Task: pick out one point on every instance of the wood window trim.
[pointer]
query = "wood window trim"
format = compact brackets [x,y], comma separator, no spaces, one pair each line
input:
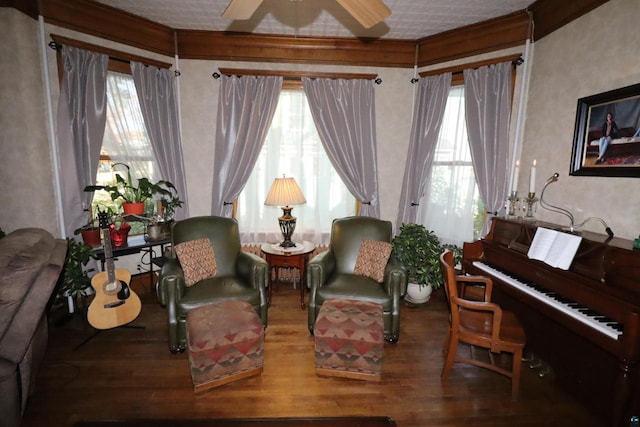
[118,61]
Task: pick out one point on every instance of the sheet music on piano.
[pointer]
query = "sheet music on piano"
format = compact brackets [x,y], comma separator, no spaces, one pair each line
[554,248]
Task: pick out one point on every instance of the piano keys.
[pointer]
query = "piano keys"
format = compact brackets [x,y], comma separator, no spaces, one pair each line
[580,313]
[584,321]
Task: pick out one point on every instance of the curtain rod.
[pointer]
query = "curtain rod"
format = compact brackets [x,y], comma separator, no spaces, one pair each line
[295,75]
[113,54]
[458,69]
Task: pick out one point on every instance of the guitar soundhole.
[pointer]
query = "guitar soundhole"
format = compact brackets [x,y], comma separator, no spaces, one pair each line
[111,288]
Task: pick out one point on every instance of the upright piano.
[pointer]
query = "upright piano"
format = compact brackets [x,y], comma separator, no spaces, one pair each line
[584,321]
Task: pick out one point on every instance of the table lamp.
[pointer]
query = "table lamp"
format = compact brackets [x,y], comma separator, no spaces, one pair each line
[285,192]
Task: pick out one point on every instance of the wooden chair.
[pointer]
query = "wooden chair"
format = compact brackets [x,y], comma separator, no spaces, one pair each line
[480,324]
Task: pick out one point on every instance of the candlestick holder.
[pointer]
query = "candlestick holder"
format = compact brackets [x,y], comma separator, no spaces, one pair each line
[513,203]
[529,207]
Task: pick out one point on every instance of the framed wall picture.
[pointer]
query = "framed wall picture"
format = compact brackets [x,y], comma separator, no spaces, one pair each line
[606,139]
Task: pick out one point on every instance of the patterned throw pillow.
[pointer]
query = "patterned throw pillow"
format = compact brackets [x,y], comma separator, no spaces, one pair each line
[372,259]
[197,260]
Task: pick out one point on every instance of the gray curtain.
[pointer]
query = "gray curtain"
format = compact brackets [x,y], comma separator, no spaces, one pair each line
[246,106]
[81,119]
[488,108]
[159,106]
[344,114]
[428,111]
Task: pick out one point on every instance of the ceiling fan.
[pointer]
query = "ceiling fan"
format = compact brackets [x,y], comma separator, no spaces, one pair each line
[367,12]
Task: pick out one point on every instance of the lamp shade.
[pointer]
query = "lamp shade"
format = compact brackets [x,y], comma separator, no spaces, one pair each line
[285,192]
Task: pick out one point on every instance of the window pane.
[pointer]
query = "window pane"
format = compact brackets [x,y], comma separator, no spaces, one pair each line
[125,141]
[293,148]
[125,136]
[451,205]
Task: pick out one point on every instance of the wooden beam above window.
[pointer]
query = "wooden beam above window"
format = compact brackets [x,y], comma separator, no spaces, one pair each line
[227,46]
[100,20]
[483,37]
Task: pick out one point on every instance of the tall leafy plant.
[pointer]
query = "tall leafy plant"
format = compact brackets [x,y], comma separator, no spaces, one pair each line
[74,280]
[419,250]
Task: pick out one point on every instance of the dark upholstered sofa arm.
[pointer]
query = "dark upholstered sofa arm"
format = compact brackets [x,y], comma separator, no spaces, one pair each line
[170,269]
[320,268]
[395,277]
[252,269]
[31,261]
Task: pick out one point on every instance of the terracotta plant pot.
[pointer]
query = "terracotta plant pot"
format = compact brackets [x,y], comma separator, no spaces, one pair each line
[133,208]
[119,235]
[91,236]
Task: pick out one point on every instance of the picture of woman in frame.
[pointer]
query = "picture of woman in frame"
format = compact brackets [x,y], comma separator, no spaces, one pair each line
[606,139]
[611,134]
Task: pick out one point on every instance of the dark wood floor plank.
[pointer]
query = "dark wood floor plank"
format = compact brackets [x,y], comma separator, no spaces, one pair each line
[130,373]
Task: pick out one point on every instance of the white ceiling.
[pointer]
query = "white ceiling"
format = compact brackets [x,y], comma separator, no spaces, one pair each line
[410,19]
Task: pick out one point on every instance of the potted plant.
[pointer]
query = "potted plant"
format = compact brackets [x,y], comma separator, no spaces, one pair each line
[419,250]
[90,232]
[74,280]
[168,203]
[119,231]
[133,194]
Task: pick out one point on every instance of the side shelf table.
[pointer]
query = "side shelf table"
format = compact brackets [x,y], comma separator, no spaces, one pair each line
[136,245]
[296,257]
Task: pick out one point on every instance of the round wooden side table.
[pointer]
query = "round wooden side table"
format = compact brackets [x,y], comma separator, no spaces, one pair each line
[296,257]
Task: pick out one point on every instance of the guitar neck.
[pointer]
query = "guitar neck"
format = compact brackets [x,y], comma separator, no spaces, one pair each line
[108,257]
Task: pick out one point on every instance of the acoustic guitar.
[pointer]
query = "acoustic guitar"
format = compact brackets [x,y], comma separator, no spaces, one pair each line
[115,304]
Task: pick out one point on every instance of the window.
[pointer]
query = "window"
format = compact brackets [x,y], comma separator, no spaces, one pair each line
[125,141]
[293,148]
[451,205]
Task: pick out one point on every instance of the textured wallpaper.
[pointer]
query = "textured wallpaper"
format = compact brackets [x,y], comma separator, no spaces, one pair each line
[594,54]
[27,194]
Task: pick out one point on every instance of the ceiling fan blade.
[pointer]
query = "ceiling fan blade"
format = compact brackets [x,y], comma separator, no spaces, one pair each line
[241,9]
[366,12]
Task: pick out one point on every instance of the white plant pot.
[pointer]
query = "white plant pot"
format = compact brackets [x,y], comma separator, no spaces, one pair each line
[71,306]
[418,294]
[71,303]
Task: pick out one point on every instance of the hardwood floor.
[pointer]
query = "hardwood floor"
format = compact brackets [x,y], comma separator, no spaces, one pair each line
[130,373]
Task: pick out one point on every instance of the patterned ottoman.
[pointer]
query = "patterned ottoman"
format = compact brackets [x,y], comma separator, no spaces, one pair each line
[349,339]
[225,343]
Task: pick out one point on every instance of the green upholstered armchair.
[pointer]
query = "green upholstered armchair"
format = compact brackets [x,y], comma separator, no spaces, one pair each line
[330,274]
[240,275]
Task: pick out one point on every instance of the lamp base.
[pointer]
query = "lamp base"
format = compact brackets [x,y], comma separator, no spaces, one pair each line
[287,226]
[287,244]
